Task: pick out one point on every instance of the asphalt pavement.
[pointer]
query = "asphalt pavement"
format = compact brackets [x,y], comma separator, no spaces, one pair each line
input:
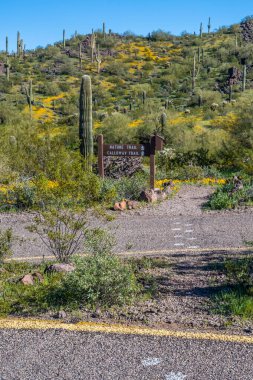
[58,354]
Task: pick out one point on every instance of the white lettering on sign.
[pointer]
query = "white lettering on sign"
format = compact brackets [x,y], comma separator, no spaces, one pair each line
[175,376]
[151,362]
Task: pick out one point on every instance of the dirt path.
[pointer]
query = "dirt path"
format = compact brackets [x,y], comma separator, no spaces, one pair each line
[177,223]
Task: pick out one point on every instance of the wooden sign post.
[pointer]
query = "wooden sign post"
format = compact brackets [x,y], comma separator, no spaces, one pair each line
[130,150]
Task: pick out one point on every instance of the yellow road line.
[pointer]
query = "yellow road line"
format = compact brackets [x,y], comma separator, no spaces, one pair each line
[36,324]
[151,252]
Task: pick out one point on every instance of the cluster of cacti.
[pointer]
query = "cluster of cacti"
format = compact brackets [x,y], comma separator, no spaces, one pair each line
[85,120]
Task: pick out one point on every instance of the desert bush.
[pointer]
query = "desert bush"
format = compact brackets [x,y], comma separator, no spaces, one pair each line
[62,232]
[101,279]
[227,197]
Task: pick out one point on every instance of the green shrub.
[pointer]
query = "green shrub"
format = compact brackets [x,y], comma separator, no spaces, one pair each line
[131,188]
[100,279]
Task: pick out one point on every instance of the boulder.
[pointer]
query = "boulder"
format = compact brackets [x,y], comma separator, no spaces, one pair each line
[29,279]
[60,268]
[116,207]
[132,205]
[148,196]
[123,205]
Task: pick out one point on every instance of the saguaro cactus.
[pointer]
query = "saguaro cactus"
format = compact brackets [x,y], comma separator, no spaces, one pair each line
[7,45]
[18,44]
[29,96]
[7,67]
[98,59]
[85,120]
[209,25]
[194,74]
[80,56]
[163,121]
[144,97]
[201,30]
[104,32]
[63,38]
[244,78]
[92,45]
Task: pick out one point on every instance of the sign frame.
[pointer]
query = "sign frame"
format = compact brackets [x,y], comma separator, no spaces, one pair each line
[130,150]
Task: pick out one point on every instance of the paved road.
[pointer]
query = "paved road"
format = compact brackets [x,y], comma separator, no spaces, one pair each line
[57,354]
[179,223]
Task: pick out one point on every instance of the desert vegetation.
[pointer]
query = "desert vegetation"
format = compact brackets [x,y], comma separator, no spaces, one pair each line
[193,90]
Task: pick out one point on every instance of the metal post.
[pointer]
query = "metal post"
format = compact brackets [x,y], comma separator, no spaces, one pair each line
[101,156]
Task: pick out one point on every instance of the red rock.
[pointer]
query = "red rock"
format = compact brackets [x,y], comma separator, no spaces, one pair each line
[116,207]
[123,205]
[27,279]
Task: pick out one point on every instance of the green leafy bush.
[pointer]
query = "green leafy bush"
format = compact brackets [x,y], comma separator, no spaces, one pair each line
[100,279]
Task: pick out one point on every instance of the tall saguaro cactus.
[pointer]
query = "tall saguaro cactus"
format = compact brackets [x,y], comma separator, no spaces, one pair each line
[7,45]
[244,77]
[85,120]
[201,30]
[194,74]
[93,45]
[7,67]
[98,59]
[209,25]
[18,44]
[63,39]
[104,32]
[29,96]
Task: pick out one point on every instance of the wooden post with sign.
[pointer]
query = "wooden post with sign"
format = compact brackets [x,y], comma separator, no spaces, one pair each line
[101,156]
[130,150]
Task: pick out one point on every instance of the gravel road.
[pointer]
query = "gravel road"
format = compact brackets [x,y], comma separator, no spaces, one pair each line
[57,354]
[178,223]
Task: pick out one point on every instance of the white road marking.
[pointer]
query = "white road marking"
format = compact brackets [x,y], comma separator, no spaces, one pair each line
[176,229]
[179,244]
[175,376]
[188,225]
[194,247]
[191,238]
[177,223]
[187,231]
[151,362]
[178,236]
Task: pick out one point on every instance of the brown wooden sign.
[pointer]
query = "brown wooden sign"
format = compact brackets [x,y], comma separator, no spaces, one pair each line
[130,150]
[127,150]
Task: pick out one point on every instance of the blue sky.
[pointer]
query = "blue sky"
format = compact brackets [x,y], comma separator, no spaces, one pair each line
[42,22]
